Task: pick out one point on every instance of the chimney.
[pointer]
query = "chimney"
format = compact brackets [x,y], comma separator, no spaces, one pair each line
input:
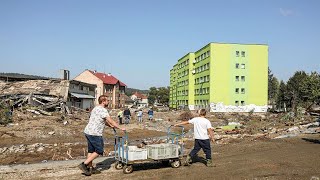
[94,71]
[109,74]
[64,74]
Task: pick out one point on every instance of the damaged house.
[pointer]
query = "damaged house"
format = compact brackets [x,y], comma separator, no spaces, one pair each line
[46,96]
[81,95]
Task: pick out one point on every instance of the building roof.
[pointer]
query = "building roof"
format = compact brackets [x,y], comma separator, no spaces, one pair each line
[107,78]
[20,77]
[127,99]
[83,83]
[82,96]
[141,96]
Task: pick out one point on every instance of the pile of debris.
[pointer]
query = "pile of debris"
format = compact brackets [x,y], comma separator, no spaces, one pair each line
[36,96]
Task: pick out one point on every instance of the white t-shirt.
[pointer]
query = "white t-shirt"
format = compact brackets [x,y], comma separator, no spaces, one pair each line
[201,126]
[96,122]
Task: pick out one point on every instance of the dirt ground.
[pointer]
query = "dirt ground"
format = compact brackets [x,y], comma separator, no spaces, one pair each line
[255,156]
[290,158]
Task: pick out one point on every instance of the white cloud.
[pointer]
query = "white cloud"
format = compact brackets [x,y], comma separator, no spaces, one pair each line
[286,12]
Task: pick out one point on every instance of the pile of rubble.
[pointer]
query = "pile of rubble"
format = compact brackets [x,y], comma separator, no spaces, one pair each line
[36,96]
[41,147]
[310,128]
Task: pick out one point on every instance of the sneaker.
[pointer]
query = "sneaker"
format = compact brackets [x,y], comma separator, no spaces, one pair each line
[188,160]
[94,170]
[209,163]
[84,169]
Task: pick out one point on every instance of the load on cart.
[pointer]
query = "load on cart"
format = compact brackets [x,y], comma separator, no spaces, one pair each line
[169,152]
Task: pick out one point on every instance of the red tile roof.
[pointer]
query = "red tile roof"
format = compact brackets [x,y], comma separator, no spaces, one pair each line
[141,96]
[107,78]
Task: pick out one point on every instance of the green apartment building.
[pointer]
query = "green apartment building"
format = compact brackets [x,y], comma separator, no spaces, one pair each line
[223,77]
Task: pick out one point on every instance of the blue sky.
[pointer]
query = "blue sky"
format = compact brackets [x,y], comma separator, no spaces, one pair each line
[138,41]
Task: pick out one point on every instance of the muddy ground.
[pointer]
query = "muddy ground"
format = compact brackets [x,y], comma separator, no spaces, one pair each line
[292,158]
[255,155]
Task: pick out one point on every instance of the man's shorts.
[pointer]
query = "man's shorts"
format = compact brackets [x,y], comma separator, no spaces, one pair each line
[95,144]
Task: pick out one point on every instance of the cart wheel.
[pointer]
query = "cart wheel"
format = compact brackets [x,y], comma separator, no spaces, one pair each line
[175,164]
[118,165]
[127,169]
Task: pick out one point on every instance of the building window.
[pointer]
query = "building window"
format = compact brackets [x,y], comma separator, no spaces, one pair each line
[237,78]
[243,103]
[243,91]
[243,66]
[243,78]
[208,53]
[237,53]
[237,90]
[237,65]
[236,103]
[243,54]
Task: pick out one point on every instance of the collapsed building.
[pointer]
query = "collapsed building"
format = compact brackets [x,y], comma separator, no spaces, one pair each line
[45,96]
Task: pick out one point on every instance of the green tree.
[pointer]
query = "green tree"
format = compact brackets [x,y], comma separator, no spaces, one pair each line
[282,98]
[310,90]
[273,88]
[152,95]
[295,88]
[163,95]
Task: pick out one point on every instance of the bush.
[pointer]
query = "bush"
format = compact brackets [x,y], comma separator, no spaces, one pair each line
[5,115]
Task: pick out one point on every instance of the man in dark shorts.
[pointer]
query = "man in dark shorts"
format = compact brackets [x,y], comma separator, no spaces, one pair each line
[127,116]
[202,133]
[99,117]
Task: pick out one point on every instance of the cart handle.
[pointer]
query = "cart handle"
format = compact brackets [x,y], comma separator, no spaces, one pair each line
[115,132]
